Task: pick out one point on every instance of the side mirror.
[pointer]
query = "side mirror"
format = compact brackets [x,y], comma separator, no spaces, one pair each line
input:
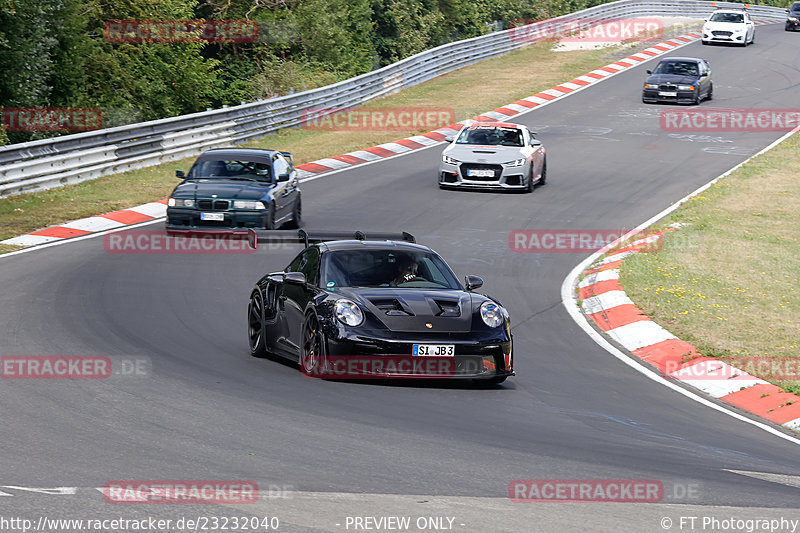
[473,282]
[649,71]
[449,139]
[295,278]
[283,177]
[536,142]
[180,174]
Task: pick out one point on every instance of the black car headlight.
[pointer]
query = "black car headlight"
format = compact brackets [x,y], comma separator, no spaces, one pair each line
[793,19]
[449,160]
[651,86]
[348,313]
[492,314]
[180,202]
[686,87]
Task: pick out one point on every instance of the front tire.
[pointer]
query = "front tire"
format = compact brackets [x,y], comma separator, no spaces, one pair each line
[312,356]
[297,214]
[255,325]
[710,95]
[270,223]
[543,177]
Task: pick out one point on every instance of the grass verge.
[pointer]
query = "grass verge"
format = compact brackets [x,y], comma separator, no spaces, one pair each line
[728,281]
[468,91]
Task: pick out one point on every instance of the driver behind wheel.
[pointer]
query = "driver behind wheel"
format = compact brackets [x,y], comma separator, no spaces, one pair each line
[406,268]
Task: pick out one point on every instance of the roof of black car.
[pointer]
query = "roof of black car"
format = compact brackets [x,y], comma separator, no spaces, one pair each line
[670,59]
[372,245]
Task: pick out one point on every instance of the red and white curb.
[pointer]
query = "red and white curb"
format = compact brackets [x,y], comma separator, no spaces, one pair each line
[605,302]
[156,210]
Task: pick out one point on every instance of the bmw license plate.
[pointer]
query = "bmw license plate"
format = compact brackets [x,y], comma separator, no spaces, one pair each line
[667,93]
[214,217]
[480,173]
[434,350]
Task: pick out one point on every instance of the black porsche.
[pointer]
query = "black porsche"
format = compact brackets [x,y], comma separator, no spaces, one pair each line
[363,307]
[232,188]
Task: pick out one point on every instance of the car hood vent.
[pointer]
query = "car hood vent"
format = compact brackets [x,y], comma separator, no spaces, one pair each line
[392,307]
[484,151]
[448,308]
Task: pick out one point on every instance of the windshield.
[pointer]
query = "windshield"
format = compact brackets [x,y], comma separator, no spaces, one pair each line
[678,68]
[796,6]
[223,169]
[491,135]
[727,17]
[386,268]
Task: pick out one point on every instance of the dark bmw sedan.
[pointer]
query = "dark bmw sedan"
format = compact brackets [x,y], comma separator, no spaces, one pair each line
[793,17]
[681,80]
[236,188]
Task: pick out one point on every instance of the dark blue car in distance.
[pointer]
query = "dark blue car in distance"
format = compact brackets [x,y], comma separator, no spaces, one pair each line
[680,80]
[236,188]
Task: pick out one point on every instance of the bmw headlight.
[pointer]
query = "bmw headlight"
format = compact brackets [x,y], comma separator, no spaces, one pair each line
[492,314]
[180,202]
[686,87]
[348,313]
[793,19]
[651,86]
[248,204]
[449,160]
[517,163]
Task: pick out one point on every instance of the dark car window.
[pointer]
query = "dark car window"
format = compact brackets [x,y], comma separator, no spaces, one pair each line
[796,6]
[386,268]
[680,68]
[218,168]
[495,136]
[306,262]
[727,17]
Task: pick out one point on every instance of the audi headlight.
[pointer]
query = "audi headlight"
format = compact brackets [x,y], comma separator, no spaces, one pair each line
[248,204]
[180,202]
[492,314]
[449,160]
[686,87]
[348,313]
[517,163]
[651,86]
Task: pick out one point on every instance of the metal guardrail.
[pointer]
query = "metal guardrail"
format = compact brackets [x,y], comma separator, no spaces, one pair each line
[49,163]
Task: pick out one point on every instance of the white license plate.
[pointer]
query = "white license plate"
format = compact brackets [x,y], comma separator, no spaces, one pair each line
[481,173]
[434,350]
[214,217]
[667,93]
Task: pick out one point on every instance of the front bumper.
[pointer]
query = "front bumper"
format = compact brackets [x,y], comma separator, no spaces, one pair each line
[720,37]
[478,355]
[792,25]
[681,97]
[505,177]
[184,217]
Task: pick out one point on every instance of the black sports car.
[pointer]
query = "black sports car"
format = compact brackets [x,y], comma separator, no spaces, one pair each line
[358,308]
[682,80]
[236,188]
[793,18]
